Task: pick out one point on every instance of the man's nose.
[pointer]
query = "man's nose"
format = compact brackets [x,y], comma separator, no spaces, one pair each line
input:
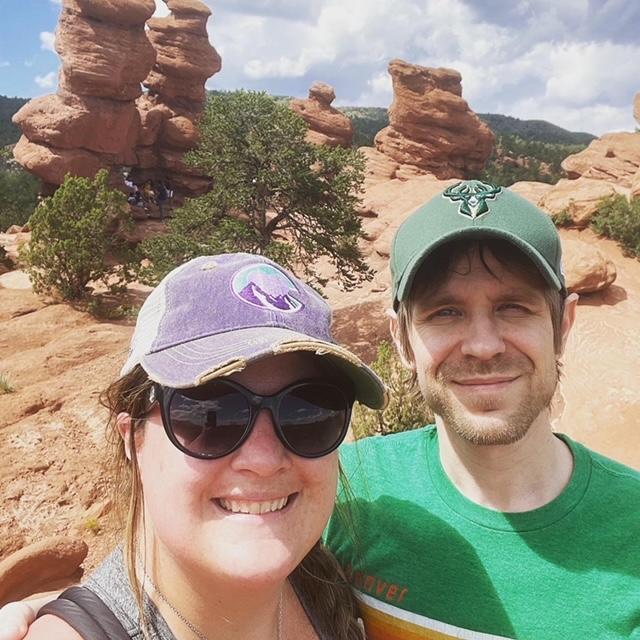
[482,338]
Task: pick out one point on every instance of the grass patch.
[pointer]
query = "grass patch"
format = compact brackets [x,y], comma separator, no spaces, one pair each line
[92,525]
[5,385]
[619,219]
[406,409]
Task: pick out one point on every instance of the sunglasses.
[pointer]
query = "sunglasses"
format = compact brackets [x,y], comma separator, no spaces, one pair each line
[210,421]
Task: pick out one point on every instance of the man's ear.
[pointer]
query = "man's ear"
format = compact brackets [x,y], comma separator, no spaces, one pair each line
[124,425]
[405,358]
[568,318]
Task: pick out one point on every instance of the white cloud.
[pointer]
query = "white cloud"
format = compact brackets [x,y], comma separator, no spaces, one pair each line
[58,2]
[161,9]
[580,73]
[47,41]
[4,63]
[532,54]
[47,81]
[28,63]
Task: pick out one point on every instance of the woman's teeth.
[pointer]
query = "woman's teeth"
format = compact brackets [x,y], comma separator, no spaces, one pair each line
[241,506]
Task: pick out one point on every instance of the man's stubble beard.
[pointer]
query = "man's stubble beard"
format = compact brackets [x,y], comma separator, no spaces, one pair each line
[502,429]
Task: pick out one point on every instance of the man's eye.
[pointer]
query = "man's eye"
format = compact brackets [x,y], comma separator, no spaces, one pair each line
[447,312]
[514,307]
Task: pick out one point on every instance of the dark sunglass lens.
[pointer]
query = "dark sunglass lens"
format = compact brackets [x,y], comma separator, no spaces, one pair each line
[209,420]
[313,418]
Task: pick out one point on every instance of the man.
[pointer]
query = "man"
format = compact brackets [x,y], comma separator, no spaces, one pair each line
[486,525]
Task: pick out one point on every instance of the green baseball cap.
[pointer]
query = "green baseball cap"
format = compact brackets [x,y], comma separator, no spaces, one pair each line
[474,209]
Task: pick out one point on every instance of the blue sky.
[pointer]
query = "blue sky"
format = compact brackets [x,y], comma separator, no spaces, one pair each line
[572,62]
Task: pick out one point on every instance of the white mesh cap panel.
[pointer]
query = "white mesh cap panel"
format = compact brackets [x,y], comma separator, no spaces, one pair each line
[148,322]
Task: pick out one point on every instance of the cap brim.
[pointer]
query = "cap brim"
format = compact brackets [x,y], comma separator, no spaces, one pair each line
[194,363]
[406,280]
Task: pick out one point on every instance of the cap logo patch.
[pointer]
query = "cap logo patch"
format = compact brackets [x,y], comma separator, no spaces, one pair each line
[266,287]
[472,197]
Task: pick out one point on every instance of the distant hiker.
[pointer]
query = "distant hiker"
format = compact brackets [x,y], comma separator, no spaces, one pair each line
[162,197]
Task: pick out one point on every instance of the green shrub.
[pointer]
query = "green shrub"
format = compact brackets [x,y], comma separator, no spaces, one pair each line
[74,233]
[406,409]
[619,219]
[563,219]
[272,193]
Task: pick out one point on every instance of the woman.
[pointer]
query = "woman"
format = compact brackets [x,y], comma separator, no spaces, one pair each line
[228,413]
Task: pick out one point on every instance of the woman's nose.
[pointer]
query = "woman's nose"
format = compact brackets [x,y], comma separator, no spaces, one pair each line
[262,452]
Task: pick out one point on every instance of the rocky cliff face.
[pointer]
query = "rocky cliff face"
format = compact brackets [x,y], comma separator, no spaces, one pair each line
[99,116]
[431,126]
[327,125]
[613,158]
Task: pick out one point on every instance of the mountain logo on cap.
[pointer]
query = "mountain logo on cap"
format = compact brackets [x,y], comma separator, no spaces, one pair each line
[472,196]
[266,287]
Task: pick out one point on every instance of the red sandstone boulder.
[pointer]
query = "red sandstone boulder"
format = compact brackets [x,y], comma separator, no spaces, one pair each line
[327,125]
[67,122]
[613,158]
[180,132]
[42,566]
[127,12]
[92,57]
[51,164]
[579,198]
[532,191]
[152,113]
[185,58]
[586,268]
[431,126]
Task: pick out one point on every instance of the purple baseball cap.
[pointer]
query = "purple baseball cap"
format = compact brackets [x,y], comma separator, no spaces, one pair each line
[213,315]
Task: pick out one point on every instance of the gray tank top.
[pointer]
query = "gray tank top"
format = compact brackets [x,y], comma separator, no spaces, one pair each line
[111,583]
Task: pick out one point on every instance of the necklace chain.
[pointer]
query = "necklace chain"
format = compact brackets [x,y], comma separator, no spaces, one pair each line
[192,627]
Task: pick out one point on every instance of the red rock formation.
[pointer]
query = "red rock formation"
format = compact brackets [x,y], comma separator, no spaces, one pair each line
[587,269]
[95,121]
[176,95]
[636,108]
[49,564]
[579,198]
[327,125]
[431,126]
[92,121]
[615,158]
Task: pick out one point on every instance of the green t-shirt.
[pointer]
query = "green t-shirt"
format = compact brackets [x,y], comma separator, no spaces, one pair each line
[426,562]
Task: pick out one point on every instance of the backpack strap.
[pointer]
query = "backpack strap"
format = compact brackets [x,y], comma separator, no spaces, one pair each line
[83,610]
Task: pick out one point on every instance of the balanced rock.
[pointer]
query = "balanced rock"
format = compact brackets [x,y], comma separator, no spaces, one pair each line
[42,566]
[613,158]
[586,268]
[431,125]
[636,107]
[327,125]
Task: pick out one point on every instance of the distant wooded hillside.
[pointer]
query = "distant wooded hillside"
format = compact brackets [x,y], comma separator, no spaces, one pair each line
[9,133]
